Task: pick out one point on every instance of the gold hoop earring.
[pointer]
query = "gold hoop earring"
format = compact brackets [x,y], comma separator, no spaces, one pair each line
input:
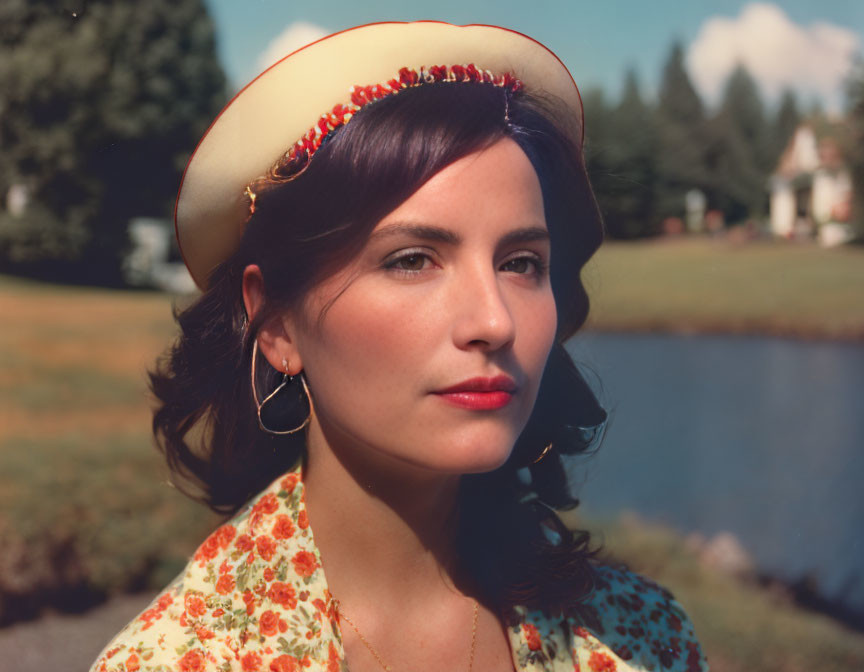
[543,454]
[283,389]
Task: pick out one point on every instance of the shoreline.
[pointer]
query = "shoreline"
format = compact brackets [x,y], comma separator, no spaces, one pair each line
[627,535]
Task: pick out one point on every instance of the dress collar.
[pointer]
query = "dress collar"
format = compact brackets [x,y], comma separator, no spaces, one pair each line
[255,592]
[254,598]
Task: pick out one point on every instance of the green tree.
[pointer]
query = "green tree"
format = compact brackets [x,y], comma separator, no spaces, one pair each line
[628,203]
[742,104]
[783,127]
[855,144]
[598,134]
[682,135]
[737,150]
[735,185]
[678,101]
[100,104]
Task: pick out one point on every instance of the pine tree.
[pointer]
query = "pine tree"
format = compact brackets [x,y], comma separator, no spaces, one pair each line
[783,127]
[629,204]
[742,105]
[101,103]
[682,135]
[598,134]
[737,151]
[735,185]
[855,145]
[678,101]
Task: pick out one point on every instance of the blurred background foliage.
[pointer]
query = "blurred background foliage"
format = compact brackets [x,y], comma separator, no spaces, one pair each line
[101,103]
[645,156]
[85,507]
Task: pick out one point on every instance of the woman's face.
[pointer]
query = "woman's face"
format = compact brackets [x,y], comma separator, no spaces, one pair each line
[452,286]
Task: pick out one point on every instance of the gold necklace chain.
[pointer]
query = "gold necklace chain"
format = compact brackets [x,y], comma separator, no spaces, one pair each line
[381,662]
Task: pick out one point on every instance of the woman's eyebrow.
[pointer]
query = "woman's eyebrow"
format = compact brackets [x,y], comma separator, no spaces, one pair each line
[424,231]
[526,234]
[437,233]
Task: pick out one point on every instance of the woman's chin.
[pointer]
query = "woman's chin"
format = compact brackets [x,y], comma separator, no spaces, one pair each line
[465,460]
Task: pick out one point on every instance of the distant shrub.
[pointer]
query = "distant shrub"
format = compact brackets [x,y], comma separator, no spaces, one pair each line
[82,519]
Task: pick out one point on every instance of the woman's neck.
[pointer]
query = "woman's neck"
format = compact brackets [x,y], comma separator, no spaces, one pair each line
[385,529]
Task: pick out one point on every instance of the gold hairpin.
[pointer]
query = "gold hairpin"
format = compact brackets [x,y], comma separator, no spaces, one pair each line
[251,195]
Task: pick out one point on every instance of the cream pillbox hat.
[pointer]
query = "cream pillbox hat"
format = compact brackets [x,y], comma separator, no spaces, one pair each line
[270,114]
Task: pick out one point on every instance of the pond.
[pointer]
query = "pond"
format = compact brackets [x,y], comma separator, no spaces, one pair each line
[760,437]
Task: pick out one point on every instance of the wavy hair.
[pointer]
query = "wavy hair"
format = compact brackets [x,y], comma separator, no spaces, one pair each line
[305,226]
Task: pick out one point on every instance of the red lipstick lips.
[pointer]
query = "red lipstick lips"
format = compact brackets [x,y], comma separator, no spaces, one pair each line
[480,393]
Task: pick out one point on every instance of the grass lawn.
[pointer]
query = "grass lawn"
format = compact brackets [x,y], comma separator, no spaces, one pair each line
[85,505]
[699,285]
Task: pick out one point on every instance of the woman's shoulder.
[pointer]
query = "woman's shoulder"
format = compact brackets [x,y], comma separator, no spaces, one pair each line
[184,626]
[154,631]
[249,590]
[631,619]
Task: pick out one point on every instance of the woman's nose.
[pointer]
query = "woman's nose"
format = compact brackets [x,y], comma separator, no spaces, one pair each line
[483,317]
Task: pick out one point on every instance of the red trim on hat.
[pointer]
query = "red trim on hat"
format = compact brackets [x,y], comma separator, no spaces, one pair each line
[360,96]
[326,37]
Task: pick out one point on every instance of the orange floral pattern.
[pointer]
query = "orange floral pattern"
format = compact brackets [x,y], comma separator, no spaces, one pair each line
[254,598]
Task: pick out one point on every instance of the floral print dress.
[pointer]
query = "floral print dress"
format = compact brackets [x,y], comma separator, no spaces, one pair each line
[254,598]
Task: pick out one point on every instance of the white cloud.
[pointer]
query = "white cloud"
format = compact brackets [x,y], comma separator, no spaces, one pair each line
[812,60]
[296,35]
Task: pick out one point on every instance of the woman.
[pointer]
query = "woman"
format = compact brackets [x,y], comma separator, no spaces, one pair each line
[399,286]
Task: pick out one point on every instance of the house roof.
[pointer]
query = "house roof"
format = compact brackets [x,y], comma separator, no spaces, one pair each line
[815,144]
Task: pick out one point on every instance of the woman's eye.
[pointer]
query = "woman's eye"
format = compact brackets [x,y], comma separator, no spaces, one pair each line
[415,262]
[409,262]
[523,265]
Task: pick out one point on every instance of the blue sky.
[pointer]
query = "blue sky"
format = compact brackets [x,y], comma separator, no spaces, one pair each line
[599,40]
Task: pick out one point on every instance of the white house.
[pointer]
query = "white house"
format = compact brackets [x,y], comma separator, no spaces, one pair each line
[811,189]
[149,263]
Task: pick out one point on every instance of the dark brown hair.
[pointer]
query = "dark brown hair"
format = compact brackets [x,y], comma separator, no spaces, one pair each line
[308,225]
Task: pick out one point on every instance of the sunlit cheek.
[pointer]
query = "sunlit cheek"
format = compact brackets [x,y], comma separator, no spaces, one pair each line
[367,348]
[536,313]
[539,328]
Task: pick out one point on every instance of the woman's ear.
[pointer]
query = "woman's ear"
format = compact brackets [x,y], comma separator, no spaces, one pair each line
[253,290]
[275,341]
